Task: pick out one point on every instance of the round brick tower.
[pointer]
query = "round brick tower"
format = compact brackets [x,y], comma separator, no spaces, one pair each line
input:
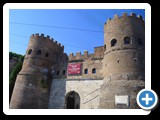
[124,61]
[31,90]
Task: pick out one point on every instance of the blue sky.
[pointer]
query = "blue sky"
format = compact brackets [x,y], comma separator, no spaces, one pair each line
[76,29]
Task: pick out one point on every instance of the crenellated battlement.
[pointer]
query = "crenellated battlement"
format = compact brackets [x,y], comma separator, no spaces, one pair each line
[98,54]
[41,36]
[116,17]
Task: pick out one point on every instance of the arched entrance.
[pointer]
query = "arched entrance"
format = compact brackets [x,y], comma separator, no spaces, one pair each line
[72,100]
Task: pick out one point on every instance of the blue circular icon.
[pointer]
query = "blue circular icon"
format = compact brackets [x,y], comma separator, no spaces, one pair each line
[147,99]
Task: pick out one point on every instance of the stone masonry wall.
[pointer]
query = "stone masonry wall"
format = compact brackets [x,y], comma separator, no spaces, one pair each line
[88,91]
[89,65]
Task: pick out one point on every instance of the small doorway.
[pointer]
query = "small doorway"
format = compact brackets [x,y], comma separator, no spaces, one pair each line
[72,100]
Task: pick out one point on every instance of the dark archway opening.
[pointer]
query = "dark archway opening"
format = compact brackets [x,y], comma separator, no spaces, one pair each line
[72,100]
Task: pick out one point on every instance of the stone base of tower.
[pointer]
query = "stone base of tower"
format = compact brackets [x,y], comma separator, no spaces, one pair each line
[120,94]
[30,92]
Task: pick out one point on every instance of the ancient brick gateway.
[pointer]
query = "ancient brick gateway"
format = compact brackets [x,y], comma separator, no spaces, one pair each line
[108,79]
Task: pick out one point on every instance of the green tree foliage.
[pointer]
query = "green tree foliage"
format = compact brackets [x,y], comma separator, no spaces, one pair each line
[12,54]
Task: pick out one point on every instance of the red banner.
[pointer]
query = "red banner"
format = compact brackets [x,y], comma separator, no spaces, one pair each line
[74,68]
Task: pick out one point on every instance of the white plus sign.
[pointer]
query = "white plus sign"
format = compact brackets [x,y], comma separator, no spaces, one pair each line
[147,99]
